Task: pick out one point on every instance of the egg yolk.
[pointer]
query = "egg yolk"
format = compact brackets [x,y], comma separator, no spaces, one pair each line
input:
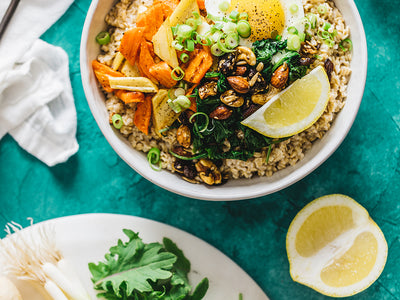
[266,17]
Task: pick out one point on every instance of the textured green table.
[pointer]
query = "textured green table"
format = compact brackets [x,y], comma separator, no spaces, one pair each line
[365,167]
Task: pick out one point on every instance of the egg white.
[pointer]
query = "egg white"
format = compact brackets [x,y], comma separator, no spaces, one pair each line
[292,19]
[212,7]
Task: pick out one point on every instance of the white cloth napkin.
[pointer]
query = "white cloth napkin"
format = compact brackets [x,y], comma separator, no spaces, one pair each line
[36,102]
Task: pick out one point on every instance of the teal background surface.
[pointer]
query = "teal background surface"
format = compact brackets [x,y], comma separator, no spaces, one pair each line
[252,232]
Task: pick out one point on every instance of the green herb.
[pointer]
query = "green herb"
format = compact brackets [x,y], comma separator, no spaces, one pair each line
[265,49]
[137,271]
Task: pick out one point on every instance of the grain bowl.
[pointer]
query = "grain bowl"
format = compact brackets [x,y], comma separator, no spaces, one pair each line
[272,167]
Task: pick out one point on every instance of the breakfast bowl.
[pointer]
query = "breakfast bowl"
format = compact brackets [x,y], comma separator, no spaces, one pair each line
[233,189]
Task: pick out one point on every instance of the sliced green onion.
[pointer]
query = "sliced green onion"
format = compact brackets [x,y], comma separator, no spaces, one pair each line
[234,15]
[229,27]
[179,91]
[327,26]
[189,45]
[313,20]
[293,42]
[292,30]
[177,74]
[153,157]
[202,155]
[307,23]
[207,40]
[293,8]
[211,74]
[216,50]
[117,121]
[192,22]
[322,9]
[243,28]
[184,57]
[244,16]
[232,40]
[184,31]
[278,37]
[218,25]
[346,45]
[334,33]
[324,34]
[103,38]
[268,153]
[196,15]
[182,101]
[302,36]
[221,46]
[330,43]
[178,46]
[206,118]
[224,6]
[174,106]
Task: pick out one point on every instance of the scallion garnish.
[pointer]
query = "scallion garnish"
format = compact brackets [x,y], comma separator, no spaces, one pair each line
[224,6]
[206,118]
[153,157]
[243,28]
[346,45]
[293,42]
[184,57]
[202,155]
[103,38]
[244,16]
[232,40]
[177,74]
[117,121]
[292,30]
[216,50]
[234,15]
[322,9]
[293,8]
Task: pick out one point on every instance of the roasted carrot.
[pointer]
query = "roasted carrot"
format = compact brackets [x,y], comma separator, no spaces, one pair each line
[189,92]
[129,97]
[162,72]
[130,44]
[199,66]
[168,6]
[102,72]
[151,19]
[146,60]
[201,4]
[142,115]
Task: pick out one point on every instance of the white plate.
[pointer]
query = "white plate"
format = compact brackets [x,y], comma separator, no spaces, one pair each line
[86,238]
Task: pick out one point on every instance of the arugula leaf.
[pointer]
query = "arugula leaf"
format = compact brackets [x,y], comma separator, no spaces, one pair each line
[134,270]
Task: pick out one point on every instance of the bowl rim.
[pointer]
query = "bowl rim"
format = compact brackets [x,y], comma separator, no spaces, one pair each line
[216,193]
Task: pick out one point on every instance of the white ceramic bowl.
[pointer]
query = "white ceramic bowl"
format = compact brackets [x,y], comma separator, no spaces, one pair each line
[233,189]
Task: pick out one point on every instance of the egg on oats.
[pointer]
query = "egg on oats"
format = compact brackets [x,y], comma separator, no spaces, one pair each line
[267,18]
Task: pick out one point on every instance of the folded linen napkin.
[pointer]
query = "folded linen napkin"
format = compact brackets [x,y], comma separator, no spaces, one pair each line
[36,103]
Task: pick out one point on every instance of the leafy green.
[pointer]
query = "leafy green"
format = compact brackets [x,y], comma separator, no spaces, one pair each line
[137,271]
[265,49]
[296,71]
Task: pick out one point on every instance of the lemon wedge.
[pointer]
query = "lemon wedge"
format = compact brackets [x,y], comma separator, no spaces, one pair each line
[294,109]
[334,247]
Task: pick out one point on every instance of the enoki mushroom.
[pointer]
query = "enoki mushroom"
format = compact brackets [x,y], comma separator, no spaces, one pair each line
[32,255]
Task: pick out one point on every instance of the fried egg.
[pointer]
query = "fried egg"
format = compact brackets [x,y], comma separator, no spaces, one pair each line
[267,18]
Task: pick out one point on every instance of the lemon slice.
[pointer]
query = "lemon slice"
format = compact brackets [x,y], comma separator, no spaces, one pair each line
[334,247]
[294,109]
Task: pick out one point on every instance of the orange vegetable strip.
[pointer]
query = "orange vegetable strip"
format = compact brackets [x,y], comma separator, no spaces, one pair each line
[102,72]
[146,60]
[129,97]
[142,115]
[151,20]
[193,106]
[130,44]
[199,66]
[162,72]
[201,4]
